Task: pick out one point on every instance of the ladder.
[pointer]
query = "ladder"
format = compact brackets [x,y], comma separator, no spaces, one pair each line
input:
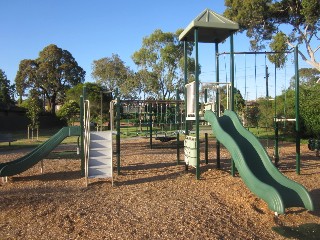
[100,155]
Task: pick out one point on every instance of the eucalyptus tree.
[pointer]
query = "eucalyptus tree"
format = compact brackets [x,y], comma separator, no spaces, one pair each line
[281,24]
[51,74]
[160,56]
[111,72]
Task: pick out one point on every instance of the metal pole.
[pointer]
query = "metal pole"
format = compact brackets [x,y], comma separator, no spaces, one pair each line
[177,110]
[185,83]
[276,124]
[178,148]
[217,101]
[196,32]
[101,111]
[82,137]
[118,132]
[232,90]
[150,128]
[206,148]
[276,142]
[232,71]
[296,51]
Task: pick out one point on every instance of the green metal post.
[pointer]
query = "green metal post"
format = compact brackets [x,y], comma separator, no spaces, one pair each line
[84,93]
[81,136]
[206,148]
[177,110]
[206,95]
[232,89]
[276,142]
[296,51]
[118,132]
[150,128]
[178,148]
[185,83]
[186,130]
[196,33]
[232,71]
[217,101]
[276,124]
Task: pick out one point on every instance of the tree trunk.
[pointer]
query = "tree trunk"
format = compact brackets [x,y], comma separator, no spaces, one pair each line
[52,104]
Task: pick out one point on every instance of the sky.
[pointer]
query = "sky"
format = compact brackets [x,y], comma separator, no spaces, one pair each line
[91,30]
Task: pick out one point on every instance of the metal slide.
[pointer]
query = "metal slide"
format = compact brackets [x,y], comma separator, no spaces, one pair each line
[22,164]
[255,166]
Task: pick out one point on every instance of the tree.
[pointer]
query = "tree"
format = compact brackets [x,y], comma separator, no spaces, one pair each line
[6,91]
[70,112]
[111,73]
[94,93]
[281,23]
[160,56]
[33,106]
[309,110]
[51,74]
[307,77]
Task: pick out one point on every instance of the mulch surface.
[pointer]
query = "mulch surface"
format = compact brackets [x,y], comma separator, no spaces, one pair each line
[152,198]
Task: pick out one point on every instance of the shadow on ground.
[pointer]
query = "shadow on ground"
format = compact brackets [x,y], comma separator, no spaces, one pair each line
[308,231]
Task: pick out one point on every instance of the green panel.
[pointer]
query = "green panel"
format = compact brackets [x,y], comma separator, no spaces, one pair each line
[255,166]
[22,164]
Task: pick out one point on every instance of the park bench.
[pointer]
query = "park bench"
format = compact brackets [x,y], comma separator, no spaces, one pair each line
[7,138]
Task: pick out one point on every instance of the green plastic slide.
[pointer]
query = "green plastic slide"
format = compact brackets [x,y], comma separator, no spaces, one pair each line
[22,164]
[255,166]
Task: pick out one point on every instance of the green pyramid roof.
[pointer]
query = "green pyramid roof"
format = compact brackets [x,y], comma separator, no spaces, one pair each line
[213,28]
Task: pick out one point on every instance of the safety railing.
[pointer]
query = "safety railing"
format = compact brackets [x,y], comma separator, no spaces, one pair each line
[86,124]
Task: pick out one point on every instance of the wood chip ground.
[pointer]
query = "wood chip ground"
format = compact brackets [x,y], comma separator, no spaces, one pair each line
[152,198]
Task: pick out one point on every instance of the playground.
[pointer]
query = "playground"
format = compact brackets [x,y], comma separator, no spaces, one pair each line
[152,198]
[118,184]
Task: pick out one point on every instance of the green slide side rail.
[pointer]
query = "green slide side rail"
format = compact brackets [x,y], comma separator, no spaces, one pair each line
[255,167]
[22,164]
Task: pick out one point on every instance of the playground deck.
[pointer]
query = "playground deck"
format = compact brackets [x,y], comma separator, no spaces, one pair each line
[153,198]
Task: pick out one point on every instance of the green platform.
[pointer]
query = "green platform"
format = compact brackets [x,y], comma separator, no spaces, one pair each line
[255,166]
[24,163]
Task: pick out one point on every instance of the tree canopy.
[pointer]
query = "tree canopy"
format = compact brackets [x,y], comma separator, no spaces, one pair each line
[282,24]
[111,73]
[160,58]
[51,74]
[6,91]
[98,97]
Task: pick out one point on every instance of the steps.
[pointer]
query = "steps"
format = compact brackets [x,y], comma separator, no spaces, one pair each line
[100,155]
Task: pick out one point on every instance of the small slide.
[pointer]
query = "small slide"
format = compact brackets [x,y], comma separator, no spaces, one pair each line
[255,166]
[22,164]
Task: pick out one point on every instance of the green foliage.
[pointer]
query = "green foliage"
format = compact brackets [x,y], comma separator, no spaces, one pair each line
[52,73]
[160,56]
[94,93]
[33,106]
[307,77]
[266,112]
[70,112]
[252,113]
[283,22]
[309,103]
[6,91]
[111,73]
[279,45]
[309,109]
